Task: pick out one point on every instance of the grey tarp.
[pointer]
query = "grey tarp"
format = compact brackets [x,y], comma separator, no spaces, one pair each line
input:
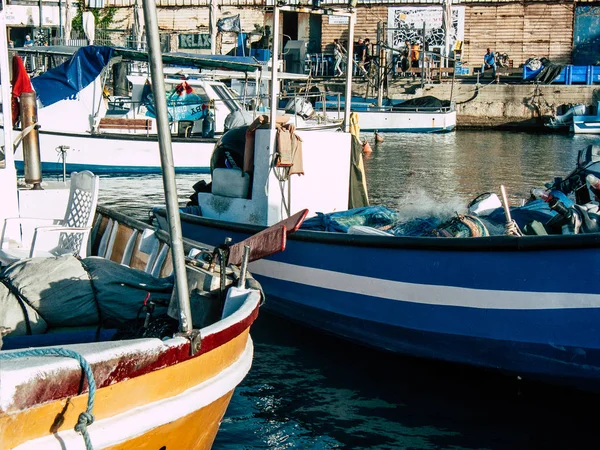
[67,292]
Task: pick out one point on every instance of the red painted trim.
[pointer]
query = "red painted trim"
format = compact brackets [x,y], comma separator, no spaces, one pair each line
[107,373]
[213,341]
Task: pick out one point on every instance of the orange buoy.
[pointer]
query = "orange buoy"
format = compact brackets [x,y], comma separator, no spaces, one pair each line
[378,138]
[367,147]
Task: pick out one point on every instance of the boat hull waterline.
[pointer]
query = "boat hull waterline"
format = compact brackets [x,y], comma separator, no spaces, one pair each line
[499,308]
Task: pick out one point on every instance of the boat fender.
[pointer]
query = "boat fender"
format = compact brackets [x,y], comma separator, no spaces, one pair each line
[484,204]
[208,123]
[367,147]
[378,138]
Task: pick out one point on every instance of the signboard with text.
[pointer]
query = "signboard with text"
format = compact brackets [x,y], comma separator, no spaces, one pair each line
[338,20]
[194,41]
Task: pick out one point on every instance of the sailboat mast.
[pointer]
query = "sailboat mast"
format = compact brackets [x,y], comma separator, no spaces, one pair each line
[168,167]
[274,68]
[349,70]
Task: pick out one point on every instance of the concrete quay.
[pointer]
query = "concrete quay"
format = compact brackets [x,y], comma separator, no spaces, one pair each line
[492,104]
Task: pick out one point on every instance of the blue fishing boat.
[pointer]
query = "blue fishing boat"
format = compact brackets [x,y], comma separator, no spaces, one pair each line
[449,290]
[527,305]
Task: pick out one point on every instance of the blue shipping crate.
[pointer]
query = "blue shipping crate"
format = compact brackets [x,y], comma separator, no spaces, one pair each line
[529,74]
[570,75]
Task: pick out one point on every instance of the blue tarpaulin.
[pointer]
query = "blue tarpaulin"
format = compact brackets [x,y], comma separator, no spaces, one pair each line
[371,216]
[65,81]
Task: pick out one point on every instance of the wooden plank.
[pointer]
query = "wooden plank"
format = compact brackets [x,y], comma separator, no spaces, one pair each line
[268,241]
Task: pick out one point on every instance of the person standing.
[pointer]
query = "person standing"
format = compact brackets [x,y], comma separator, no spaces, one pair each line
[415,54]
[338,53]
[367,55]
[405,58]
[360,56]
[28,42]
[489,62]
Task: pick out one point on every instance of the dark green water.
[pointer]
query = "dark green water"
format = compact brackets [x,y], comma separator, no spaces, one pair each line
[307,390]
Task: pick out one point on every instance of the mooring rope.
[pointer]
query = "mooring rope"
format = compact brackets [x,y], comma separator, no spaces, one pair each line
[85,418]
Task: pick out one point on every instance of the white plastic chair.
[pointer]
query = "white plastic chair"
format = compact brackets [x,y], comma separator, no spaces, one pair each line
[54,237]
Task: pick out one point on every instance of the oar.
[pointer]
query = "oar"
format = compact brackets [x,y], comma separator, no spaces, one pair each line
[511,226]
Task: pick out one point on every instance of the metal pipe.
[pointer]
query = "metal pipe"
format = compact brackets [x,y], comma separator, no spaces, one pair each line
[349,69]
[274,68]
[41,18]
[423,59]
[60,23]
[168,167]
[31,142]
[244,267]
[379,67]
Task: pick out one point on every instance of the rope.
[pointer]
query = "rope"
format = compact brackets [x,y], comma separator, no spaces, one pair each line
[512,229]
[85,418]
[22,302]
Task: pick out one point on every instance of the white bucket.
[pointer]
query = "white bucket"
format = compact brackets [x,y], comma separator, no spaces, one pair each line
[484,204]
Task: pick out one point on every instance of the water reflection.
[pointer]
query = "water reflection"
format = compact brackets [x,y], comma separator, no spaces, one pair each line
[467,163]
[308,390]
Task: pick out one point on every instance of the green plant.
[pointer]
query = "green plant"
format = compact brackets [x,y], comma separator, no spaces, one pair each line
[103,17]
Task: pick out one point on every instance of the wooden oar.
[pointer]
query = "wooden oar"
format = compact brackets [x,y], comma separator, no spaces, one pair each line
[268,241]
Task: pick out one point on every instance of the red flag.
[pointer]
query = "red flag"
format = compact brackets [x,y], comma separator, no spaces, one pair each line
[20,83]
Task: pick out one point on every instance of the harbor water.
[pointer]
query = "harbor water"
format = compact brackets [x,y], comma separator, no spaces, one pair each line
[307,390]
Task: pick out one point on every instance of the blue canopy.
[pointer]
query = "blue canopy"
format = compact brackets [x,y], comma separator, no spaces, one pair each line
[65,81]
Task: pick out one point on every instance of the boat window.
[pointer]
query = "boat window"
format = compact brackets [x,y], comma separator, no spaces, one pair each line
[226,97]
[200,92]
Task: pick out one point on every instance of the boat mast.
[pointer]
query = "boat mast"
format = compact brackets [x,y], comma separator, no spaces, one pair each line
[212,24]
[168,167]
[274,68]
[349,70]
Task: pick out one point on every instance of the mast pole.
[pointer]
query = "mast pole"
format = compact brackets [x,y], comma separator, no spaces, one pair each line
[168,167]
[274,80]
[349,69]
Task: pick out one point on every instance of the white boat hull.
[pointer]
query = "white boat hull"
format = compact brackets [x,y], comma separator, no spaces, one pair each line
[115,154]
[404,121]
[586,125]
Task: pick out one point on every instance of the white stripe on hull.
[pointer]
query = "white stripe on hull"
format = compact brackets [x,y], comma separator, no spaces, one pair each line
[421,293]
